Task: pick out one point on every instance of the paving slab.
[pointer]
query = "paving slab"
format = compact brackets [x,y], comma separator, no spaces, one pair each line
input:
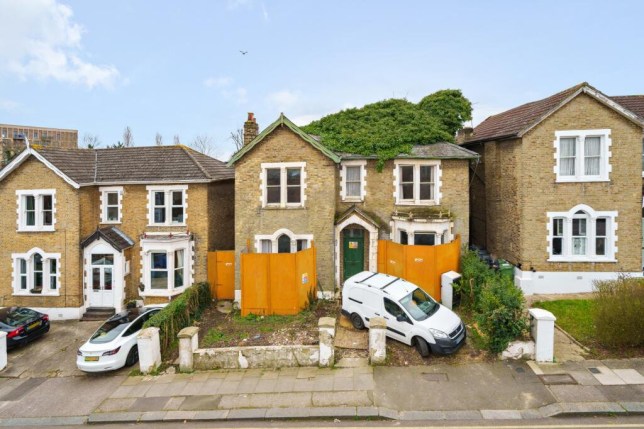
[590,407]
[463,415]
[211,415]
[630,376]
[288,413]
[174,403]
[333,412]
[607,377]
[621,393]
[565,393]
[201,403]
[247,414]
[367,411]
[298,400]
[633,407]
[388,413]
[266,385]
[152,416]
[501,414]
[333,399]
[113,417]
[421,415]
[179,415]
[154,403]
[116,404]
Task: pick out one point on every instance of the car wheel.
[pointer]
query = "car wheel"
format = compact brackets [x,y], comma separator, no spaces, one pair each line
[132,356]
[356,321]
[421,346]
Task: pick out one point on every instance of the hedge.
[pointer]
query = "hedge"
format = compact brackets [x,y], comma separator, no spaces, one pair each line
[180,313]
[619,313]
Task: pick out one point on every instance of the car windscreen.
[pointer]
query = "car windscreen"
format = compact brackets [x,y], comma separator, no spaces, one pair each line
[17,316]
[110,330]
[419,305]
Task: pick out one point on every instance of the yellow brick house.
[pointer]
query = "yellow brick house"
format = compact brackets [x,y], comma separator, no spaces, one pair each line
[558,190]
[88,229]
[291,190]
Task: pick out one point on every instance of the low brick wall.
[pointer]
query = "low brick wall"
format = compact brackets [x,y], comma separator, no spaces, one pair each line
[256,357]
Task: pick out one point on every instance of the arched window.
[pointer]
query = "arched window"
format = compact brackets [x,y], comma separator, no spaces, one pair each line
[284,244]
[36,272]
[582,234]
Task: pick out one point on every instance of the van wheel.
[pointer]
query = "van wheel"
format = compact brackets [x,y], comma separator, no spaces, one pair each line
[132,356]
[356,321]
[421,346]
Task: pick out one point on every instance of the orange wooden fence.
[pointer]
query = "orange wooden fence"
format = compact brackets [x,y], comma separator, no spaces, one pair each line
[221,274]
[277,283]
[421,265]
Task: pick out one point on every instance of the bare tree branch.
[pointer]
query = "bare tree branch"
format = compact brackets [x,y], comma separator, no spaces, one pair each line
[176,139]
[128,138]
[237,137]
[203,143]
[158,139]
[91,141]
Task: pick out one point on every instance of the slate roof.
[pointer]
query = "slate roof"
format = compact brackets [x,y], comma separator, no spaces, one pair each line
[512,123]
[634,103]
[441,150]
[153,164]
[112,235]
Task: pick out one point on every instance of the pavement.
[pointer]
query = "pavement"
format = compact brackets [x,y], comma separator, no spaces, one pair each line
[32,392]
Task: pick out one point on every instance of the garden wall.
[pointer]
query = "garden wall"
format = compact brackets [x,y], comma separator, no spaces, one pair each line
[256,357]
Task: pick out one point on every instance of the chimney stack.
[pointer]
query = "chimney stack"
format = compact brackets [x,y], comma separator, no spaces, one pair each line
[464,134]
[251,129]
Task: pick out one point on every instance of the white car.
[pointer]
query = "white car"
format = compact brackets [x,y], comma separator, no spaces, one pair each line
[114,344]
[412,316]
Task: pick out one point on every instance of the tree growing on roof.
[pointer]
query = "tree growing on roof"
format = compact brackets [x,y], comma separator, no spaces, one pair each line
[390,127]
[158,139]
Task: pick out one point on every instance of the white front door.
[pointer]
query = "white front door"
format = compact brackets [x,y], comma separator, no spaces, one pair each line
[102,280]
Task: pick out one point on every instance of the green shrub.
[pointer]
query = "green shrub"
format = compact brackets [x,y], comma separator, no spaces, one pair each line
[180,313]
[619,312]
[500,313]
[474,274]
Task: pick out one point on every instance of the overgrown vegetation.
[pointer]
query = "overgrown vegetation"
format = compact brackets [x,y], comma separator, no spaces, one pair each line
[391,127]
[180,313]
[496,303]
[618,315]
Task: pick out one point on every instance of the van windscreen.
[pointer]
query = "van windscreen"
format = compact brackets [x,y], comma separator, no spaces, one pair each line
[419,305]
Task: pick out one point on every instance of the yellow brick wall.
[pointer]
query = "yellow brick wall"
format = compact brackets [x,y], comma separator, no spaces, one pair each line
[540,193]
[64,240]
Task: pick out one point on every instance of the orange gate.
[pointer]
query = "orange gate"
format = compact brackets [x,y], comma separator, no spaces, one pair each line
[221,274]
[421,265]
[277,283]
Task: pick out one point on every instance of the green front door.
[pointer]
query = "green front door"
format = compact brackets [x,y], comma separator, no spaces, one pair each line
[353,251]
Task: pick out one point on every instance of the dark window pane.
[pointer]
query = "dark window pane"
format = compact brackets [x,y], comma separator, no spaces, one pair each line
[177,214]
[23,266]
[404,239]
[112,214]
[23,282]
[601,227]
[107,279]
[425,173]
[159,261]
[293,176]
[557,246]
[96,279]
[425,191]
[30,202]
[47,218]
[38,280]
[159,198]
[600,246]
[47,202]
[293,194]
[407,191]
[159,215]
[557,227]
[31,218]
[273,176]
[407,173]
[52,282]
[178,277]
[579,227]
[159,279]
[273,195]
[112,198]
[284,244]
[301,245]
[37,262]
[102,259]
[424,239]
[177,198]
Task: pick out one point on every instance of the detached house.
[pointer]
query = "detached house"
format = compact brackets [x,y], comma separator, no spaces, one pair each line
[85,229]
[291,190]
[558,190]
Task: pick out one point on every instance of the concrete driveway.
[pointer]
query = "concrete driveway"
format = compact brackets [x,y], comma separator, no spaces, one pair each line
[53,354]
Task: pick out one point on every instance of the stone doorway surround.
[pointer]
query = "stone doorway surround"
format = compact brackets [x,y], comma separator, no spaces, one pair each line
[354,216]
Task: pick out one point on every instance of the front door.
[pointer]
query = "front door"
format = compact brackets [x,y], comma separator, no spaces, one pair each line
[353,251]
[102,280]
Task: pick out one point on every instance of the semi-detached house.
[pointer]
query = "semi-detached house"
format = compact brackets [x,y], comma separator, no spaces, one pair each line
[84,229]
[558,190]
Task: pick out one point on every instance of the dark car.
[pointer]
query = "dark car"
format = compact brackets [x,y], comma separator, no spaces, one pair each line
[22,325]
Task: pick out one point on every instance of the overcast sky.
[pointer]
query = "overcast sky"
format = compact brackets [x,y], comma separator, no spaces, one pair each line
[176,67]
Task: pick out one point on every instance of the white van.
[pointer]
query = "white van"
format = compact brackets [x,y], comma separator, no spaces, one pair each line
[412,316]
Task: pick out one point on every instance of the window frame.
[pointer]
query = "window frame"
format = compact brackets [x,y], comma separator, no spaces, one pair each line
[580,137]
[283,185]
[167,204]
[104,195]
[39,210]
[436,182]
[49,277]
[345,165]
[170,245]
[590,216]
[303,241]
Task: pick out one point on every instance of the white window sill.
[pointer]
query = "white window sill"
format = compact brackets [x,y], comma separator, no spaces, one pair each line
[167,224]
[111,222]
[353,199]
[162,293]
[417,203]
[49,293]
[581,179]
[581,259]
[288,207]
[48,229]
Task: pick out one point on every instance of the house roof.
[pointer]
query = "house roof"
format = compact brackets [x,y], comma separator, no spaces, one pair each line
[519,120]
[441,150]
[153,164]
[112,235]
[284,121]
